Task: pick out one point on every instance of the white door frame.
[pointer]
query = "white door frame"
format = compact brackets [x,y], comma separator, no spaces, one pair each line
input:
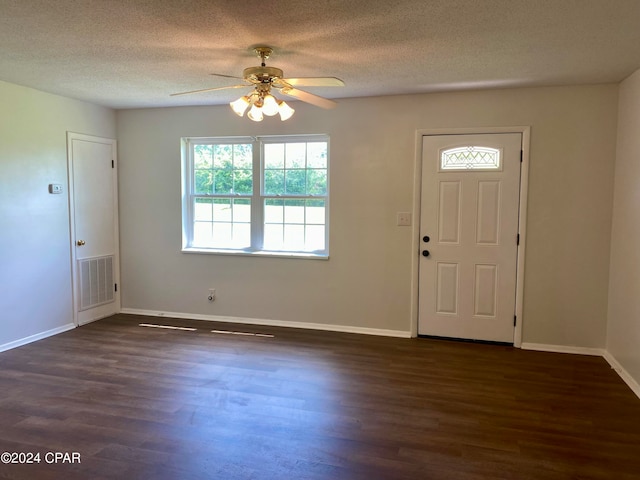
[75,274]
[522,222]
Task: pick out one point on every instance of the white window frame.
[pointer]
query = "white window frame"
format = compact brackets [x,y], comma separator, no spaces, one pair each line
[258,196]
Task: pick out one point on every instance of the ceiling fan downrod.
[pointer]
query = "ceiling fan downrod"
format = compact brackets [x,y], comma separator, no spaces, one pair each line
[264,53]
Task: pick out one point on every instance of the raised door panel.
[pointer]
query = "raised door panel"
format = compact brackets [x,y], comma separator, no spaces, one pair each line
[449,212]
[488,212]
[447,288]
[485,290]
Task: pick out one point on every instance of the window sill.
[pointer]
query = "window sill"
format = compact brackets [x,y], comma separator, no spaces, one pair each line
[267,254]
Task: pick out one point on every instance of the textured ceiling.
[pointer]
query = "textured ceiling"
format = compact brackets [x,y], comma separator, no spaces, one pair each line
[134,53]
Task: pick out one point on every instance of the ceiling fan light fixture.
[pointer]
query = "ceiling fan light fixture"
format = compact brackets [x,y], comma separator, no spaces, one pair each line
[240,105]
[255,113]
[263,79]
[285,110]
[270,105]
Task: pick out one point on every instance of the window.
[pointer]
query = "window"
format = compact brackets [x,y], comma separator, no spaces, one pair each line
[264,195]
[470,158]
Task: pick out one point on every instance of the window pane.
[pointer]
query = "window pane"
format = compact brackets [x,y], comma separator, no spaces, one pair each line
[296,155]
[241,235]
[315,213]
[297,177]
[294,237]
[294,211]
[273,237]
[242,210]
[203,156]
[317,155]
[316,182]
[242,182]
[204,182]
[222,223]
[274,182]
[314,237]
[273,211]
[274,155]
[294,224]
[222,210]
[202,211]
[222,235]
[223,181]
[295,182]
[470,158]
[243,156]
[202,234]
[223,156]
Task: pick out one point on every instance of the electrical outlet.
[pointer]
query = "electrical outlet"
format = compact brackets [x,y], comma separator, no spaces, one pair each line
[212,294]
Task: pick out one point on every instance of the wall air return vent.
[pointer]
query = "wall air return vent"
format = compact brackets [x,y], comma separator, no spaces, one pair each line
[96,281]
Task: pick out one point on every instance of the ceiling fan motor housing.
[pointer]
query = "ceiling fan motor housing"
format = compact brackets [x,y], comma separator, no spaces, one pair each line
[262,74]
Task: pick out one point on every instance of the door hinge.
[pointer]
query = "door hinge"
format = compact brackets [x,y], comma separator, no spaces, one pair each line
[514,320]
[518,239]
[521,154]
[113,164]
[115,286]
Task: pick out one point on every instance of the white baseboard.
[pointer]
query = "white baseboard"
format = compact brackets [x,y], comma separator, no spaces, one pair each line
[542,347]
[598,352]
[271,323]
[620,370]
[99,317]
[37,336]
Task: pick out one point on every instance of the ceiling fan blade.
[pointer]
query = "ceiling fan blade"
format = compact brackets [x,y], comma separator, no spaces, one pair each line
[225,76]
[208,90]
[308,97]
[314,82]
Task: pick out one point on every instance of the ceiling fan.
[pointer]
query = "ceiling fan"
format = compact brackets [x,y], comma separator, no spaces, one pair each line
[263,79]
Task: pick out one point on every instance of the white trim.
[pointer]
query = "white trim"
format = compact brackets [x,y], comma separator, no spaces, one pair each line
[596,352]
[522,225]
[36,337]
[271,323]
[98,316]
[542,347]
[522,231]
[620,370]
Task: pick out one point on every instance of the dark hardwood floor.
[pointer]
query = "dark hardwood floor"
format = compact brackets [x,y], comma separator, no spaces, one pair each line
[146,403]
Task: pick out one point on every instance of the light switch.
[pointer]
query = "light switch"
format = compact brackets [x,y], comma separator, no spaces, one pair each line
[55,188]
[404,219]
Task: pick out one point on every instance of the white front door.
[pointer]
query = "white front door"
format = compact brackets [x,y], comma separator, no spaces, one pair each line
[94,226]
[468,236]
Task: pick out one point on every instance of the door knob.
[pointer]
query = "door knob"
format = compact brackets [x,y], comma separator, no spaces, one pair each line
[80,243]
[425,253]
[426,239]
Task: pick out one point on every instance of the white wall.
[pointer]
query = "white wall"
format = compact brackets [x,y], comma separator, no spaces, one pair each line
[623,339]
[367,281]
[35,268]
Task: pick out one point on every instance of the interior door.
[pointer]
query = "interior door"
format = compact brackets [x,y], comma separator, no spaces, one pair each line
[469,227]
[94,226]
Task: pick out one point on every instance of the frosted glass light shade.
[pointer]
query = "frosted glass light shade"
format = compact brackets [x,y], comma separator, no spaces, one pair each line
[285,110]
[269,105]
[255,113]
[240,105]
